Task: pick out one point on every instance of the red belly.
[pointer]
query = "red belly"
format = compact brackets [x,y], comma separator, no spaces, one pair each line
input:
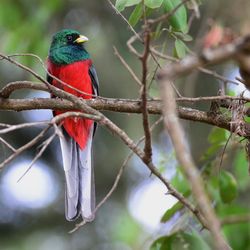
[77,76]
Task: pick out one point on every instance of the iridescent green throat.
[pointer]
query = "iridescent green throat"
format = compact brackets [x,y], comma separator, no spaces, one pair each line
[67,54]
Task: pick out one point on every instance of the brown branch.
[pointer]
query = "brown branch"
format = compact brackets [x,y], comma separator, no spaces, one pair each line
[11,128]
[175,131]
[145,121]
[235,219]
[206,57]
[201,69]
[128,106]
[13,86]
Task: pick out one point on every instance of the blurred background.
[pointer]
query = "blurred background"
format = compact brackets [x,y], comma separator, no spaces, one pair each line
[32,210]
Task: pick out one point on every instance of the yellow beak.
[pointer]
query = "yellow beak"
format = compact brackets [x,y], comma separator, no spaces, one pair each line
[81,39]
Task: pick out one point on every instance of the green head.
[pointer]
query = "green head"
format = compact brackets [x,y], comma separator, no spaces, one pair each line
[67,47]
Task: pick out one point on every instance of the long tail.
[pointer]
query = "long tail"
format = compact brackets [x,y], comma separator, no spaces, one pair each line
[80,186]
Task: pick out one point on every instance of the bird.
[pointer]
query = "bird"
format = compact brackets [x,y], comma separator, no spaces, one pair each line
[71,69]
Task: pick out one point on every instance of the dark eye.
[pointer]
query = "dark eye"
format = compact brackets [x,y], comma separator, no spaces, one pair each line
[69,38]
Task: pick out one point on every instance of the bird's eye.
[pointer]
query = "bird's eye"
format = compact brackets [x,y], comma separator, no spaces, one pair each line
[69,38]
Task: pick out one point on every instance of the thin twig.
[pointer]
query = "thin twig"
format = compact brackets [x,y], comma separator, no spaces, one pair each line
[7,145]
[130,41]
[224,150]
[132,73]
[22,125]
[24,147]
[145,121]
[168,14]
[46,143]
[125,20]
[236,219]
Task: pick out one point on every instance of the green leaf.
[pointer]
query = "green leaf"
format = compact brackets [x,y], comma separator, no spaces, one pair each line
[227,186]
[136,15]
[183,37]
[180,183]
[120,4]
[218,136]
[177,241]
[180,48]
[212,188]
[179,18]
[132,2]
[153,3]
[241,169]
[162,243]
[171,212]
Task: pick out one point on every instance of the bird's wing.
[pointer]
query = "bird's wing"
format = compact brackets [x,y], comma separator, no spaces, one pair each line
[94,78]
[95,85]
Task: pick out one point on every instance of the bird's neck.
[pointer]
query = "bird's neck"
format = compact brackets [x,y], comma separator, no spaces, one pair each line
[67,55]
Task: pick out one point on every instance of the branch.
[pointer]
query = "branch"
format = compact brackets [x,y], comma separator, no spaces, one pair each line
[175,131]
[132,106]
[132,73]
[235,219]
[145,122]
[201,69]
[206,57]
[24,147]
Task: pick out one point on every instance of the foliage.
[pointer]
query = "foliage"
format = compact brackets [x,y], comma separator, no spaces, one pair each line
[221,184]
[178,24]
[179,241]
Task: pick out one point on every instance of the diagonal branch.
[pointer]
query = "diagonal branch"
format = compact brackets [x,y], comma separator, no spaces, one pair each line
[175,131]
[24,147]
[132,73]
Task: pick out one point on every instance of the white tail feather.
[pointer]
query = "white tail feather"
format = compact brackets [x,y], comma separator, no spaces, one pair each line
[80,191]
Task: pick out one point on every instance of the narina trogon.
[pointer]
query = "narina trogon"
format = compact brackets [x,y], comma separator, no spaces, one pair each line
[69,61]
